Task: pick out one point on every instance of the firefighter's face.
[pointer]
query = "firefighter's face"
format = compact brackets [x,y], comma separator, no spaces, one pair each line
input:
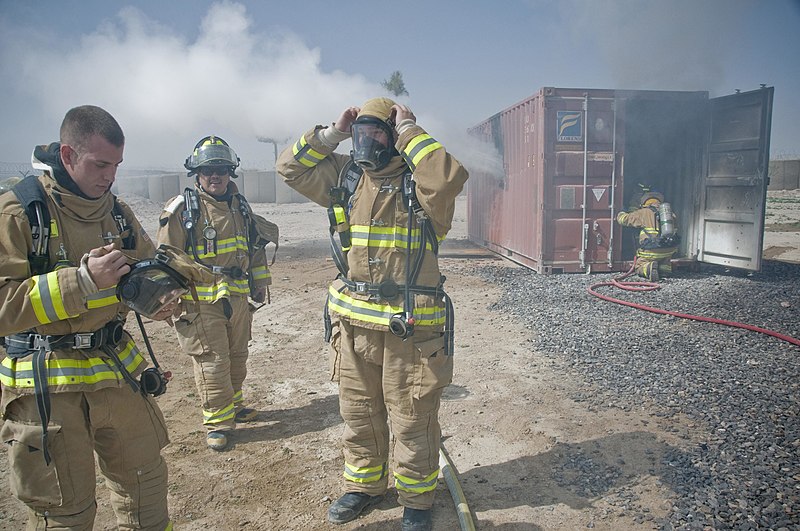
[214,179]
[93,166]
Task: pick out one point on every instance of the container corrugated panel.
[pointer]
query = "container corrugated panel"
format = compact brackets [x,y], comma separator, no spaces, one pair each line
[564,154]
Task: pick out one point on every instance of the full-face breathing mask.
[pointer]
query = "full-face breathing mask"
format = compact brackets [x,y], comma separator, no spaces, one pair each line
[373,143]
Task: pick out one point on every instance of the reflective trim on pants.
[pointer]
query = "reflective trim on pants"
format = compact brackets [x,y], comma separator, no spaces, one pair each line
[127,432]
[381,378]
[219,349]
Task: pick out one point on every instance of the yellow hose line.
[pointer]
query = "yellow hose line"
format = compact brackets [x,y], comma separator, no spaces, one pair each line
[451,478]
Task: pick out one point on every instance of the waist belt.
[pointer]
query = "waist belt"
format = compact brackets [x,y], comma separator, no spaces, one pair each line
[391,287]
[236,273]
[20,345]
[388,289]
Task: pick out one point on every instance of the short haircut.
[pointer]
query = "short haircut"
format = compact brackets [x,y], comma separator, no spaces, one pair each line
[81,123]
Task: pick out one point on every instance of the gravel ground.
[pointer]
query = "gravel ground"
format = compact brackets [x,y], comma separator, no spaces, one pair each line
[741,470]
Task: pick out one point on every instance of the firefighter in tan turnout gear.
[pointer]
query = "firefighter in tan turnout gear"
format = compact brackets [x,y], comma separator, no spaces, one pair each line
[658,238]
[214,223]
[70,366]
[388,318]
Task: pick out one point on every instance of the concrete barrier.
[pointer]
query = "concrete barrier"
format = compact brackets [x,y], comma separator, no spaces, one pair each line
[784,174]
[257,186]
[161,188]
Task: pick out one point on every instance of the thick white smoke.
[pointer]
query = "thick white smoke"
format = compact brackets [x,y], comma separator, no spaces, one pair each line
[167,92]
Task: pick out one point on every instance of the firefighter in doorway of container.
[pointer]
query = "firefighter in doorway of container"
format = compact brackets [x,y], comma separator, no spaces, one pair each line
[71,377]
[658,239]
[214,223]
[388,317]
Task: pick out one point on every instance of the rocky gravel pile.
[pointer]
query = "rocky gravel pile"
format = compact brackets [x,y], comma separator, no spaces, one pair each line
[741,388]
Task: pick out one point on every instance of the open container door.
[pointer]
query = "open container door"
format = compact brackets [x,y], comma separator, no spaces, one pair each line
[734,191]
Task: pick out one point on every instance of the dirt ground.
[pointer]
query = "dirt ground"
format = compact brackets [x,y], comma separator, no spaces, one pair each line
[510,417]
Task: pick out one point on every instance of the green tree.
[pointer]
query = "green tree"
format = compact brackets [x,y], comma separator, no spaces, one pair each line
[395,84]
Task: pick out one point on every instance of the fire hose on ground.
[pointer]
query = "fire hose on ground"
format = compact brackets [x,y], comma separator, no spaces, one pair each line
[451,478]
[635,286]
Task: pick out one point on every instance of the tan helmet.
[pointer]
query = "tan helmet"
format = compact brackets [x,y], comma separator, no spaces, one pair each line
[380,108]
[651,198]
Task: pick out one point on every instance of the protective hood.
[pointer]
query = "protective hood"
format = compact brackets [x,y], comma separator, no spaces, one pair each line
[48,158]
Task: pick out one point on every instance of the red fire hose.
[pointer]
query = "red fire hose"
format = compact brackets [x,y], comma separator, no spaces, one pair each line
[620,283]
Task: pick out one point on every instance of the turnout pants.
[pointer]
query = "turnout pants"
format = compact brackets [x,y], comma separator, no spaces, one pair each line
[127,432]
[649,260]
[216,336]
[382,377]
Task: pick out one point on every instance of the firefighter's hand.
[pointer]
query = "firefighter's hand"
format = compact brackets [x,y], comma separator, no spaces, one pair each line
[346,119]
[402,112]
[107,265]
[167,312]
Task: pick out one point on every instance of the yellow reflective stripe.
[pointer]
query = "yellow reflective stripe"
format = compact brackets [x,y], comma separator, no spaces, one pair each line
[432,316]
[260,273]
[305,155]
[377,313]
[364,474]
[104,297]
[19,374]
[237,397]
[53,228]
[396,236]
[417,148]
[211,417]
[339,214]
[228,245]
[655,254]
[218,291]
[370,312]
[46,299]
[407,484]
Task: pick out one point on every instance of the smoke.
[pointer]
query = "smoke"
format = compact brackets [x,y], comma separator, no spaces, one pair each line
[652,44]
[168,92]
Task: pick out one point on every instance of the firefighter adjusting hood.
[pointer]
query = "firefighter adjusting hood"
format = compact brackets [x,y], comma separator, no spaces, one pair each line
[374,135]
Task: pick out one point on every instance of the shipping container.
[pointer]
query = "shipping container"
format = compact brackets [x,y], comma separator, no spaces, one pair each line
[572,159]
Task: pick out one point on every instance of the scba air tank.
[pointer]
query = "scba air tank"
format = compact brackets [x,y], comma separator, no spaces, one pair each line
[667,221]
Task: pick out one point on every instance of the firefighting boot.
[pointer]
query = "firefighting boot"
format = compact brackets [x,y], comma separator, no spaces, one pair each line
[416,520]
[348,507]
[246,415]
[217,440]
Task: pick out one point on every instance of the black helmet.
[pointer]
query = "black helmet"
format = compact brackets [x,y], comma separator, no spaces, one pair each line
[211,151]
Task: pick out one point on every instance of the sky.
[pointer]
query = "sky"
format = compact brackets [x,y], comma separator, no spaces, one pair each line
[174,71]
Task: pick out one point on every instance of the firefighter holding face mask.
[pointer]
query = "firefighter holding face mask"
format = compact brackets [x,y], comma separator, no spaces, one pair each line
[214,223]
[389,319]
[66,242]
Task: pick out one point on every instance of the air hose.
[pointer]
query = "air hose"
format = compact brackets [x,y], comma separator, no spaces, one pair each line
[620,283]
[451,478]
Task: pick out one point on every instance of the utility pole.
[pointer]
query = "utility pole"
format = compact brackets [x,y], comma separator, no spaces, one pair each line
[270,141]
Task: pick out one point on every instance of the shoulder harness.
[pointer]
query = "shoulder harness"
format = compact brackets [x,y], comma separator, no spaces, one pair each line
[32,197]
